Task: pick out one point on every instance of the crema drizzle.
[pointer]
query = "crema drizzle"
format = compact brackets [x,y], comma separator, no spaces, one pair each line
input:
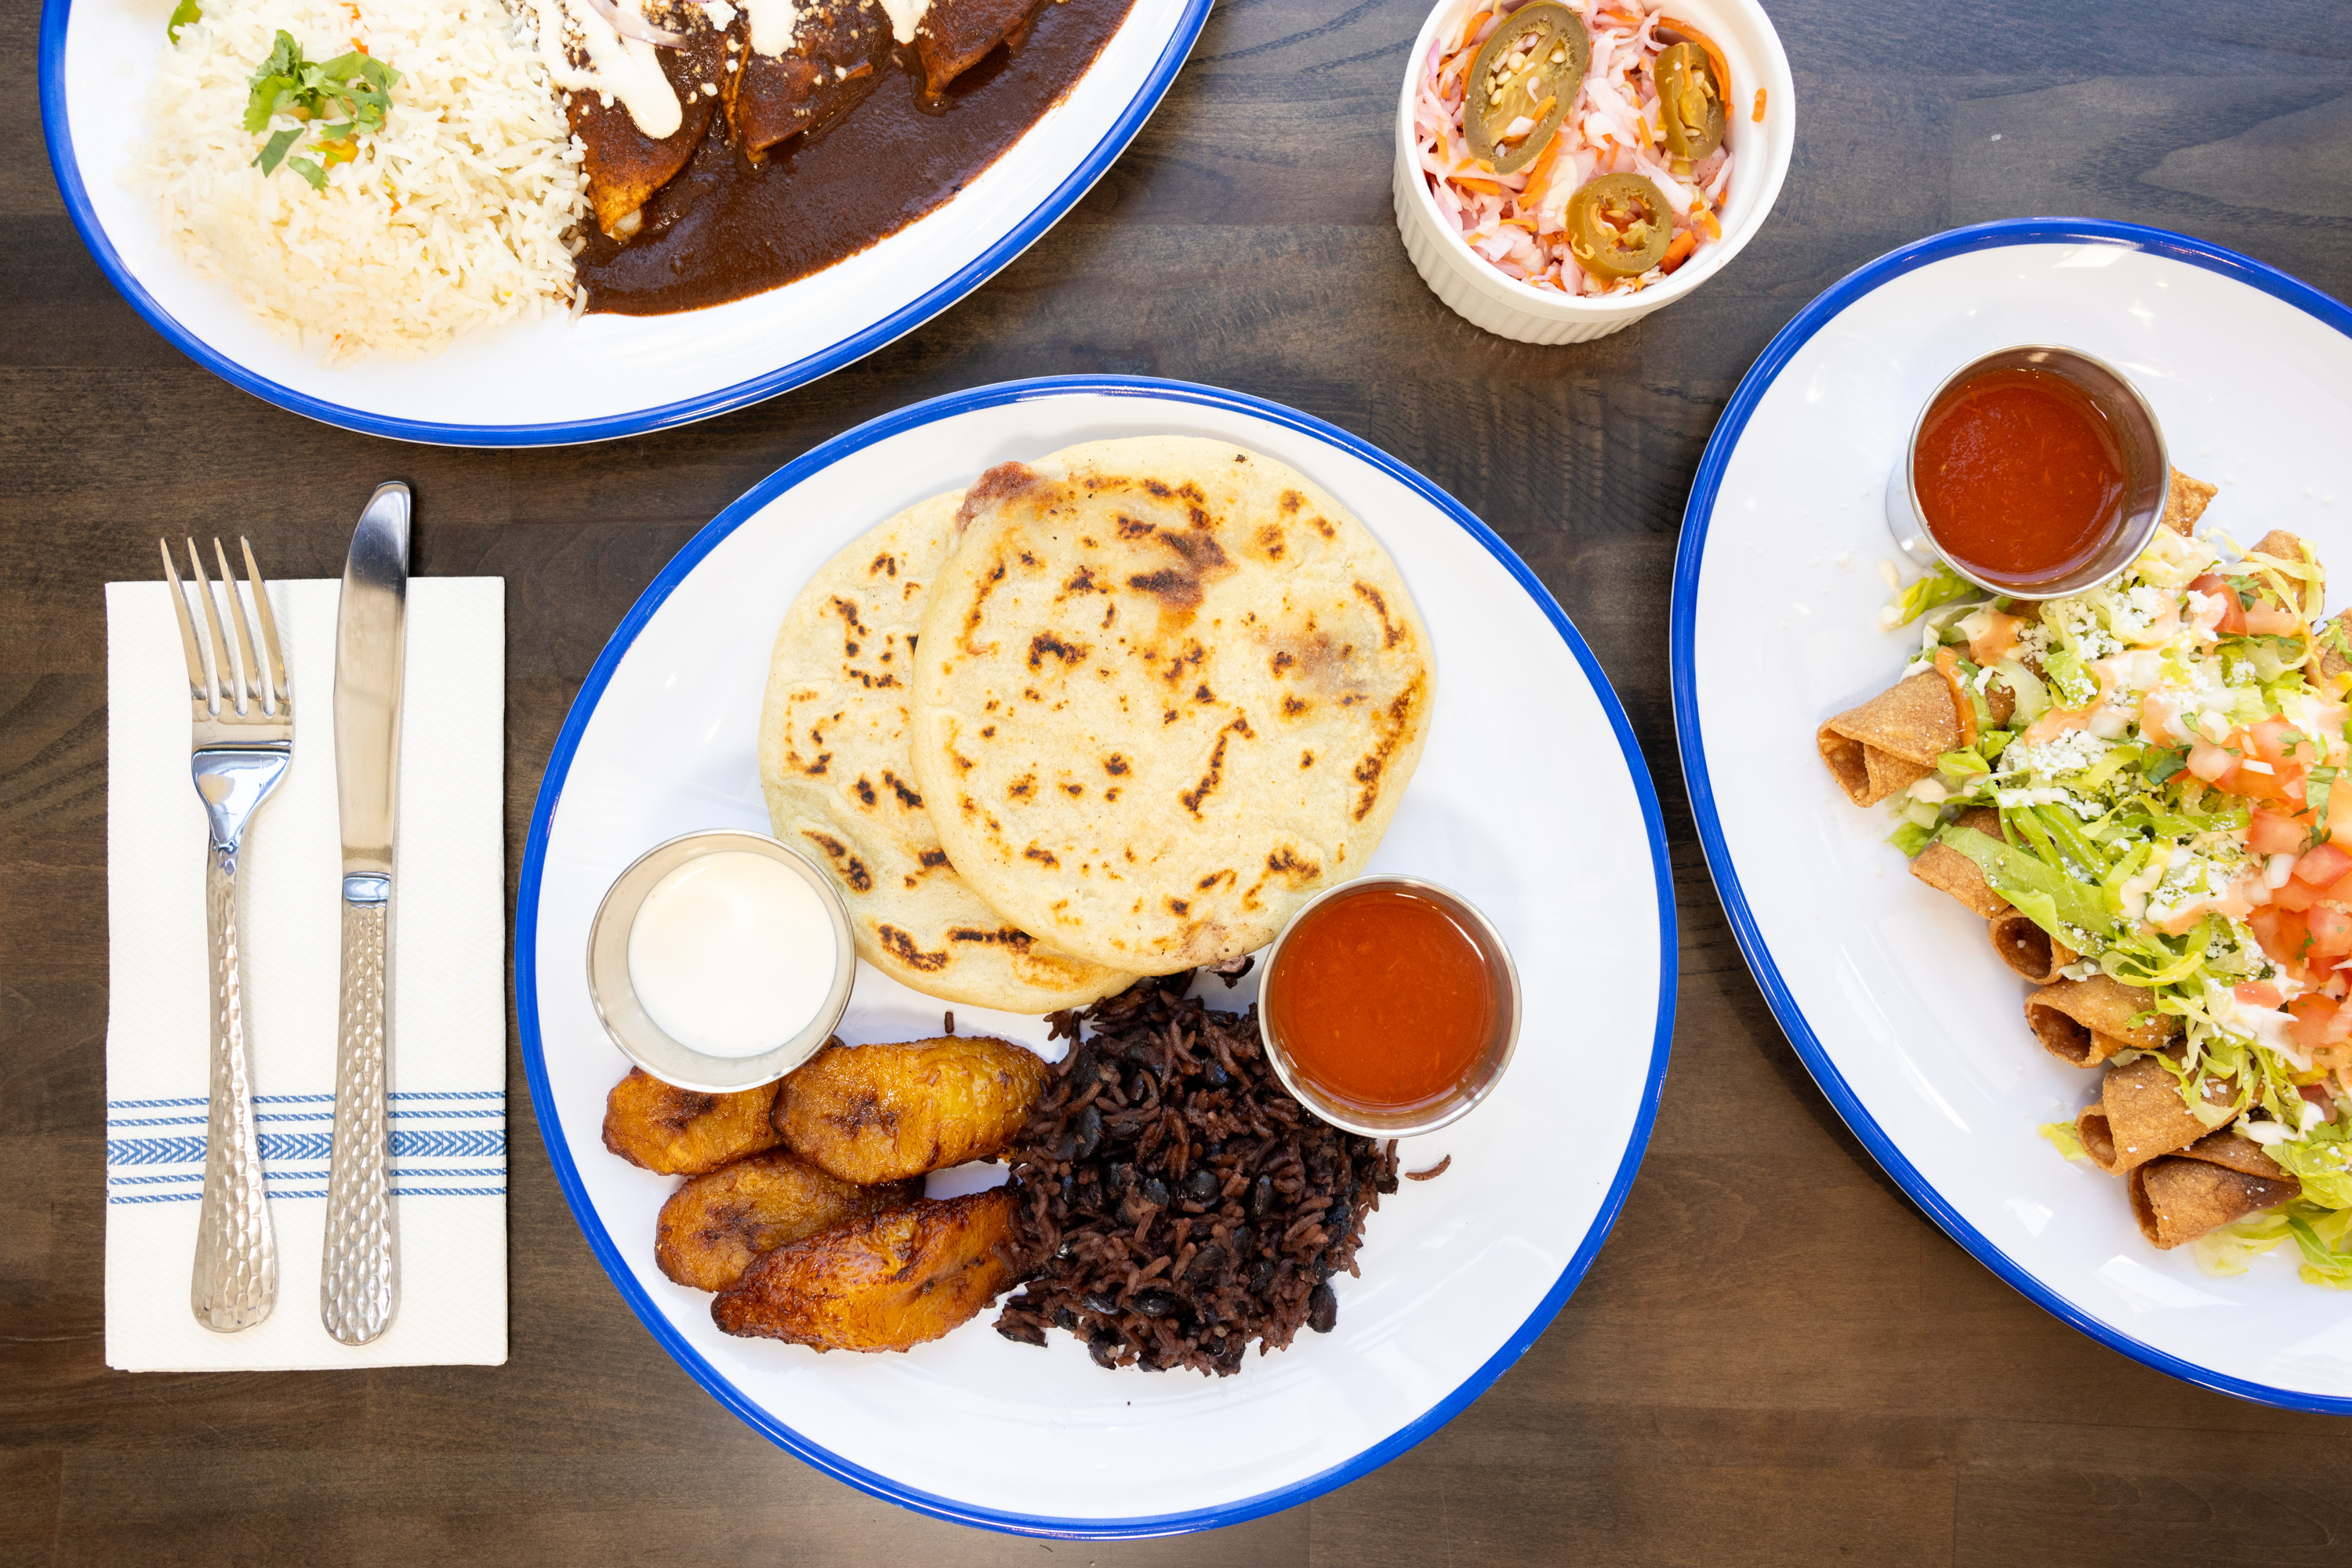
[628,70]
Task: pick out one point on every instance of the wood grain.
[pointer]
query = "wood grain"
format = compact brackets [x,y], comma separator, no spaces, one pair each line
[1776,1359]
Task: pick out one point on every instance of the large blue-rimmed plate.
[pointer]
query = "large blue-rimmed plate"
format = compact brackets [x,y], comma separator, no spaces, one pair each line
[1889,991]
[1530,798]
[549,381]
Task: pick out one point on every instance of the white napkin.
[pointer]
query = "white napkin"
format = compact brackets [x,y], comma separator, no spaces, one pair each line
[449,1053]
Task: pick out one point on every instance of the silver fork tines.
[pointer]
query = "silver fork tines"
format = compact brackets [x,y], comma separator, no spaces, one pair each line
[243,721]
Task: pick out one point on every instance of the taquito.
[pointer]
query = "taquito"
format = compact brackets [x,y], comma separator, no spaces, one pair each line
[2084,1021]
[1947,871]
[1892,740]
[2139,1116]
[2221,1178]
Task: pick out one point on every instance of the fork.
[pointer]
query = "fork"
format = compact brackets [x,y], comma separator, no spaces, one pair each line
[243,742]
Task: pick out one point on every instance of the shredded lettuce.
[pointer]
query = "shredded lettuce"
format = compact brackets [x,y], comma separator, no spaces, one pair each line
[1938,585]
[2070,911]
[2062,1137]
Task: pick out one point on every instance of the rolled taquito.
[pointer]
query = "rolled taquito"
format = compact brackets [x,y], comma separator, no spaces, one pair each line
[2221,1178]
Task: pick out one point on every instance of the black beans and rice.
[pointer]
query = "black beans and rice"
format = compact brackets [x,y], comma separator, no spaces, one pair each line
[1176,1202]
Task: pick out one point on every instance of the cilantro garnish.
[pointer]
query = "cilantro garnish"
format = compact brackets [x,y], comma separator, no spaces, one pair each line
[185,11]
[355,85]
[2163,762]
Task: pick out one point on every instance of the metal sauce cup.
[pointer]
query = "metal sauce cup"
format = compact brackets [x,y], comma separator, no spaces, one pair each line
[633,1029]
[2147,470]
[1502,977]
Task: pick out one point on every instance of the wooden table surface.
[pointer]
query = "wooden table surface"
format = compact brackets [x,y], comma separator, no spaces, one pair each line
[1776,1359]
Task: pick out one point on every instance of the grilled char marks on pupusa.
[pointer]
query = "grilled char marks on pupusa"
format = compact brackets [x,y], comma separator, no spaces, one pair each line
[1164,689]
[956,35]
[839,50]
[624,166]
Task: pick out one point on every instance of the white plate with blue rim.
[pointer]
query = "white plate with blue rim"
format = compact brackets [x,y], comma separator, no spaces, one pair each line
[1459,1274]
[546,383]
[1889,991]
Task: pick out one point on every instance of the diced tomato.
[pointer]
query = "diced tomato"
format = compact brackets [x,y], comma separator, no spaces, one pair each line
[2269,742]
[2211,763]
[2313,1017]
[2258,994]
[2341,892]
[2276,833]
[2233,615]
[2323,865]
[2318,1094]
[2295,895]
[2331,930]
[2283,934]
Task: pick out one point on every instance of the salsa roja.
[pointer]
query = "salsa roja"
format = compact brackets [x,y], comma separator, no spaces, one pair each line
[2020,476]
[1380,999]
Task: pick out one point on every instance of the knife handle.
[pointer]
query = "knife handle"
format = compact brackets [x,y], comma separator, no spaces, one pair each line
[359,1277]
[235,1280]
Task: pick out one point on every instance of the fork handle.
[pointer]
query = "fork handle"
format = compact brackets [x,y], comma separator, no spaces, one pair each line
[236,1280]
[359,1279]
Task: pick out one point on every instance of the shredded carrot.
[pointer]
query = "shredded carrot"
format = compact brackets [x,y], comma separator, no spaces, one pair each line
[1525,223]
[1759,116]
[1470,28]
[1536,114]
[1484,187]
[1678,251]
[1707,217]
[1539,173]
[1948,665]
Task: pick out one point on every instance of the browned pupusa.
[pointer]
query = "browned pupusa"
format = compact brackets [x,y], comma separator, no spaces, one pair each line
[882,1283]
[682,1132]
[1165,690]
[715,1224]
[879,1113]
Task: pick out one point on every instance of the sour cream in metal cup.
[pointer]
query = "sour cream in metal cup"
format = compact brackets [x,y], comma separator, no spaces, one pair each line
[721,960]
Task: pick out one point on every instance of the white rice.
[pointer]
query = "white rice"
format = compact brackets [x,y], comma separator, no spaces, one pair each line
[453,216]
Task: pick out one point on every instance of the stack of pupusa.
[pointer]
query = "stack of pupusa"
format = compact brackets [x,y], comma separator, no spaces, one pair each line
[1115,712]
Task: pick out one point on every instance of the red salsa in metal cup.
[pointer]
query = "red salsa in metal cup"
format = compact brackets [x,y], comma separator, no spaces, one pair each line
[1382,1000]
[2020,476]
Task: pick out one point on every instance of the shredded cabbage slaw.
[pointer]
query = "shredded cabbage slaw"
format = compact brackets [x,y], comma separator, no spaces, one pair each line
[1519,222]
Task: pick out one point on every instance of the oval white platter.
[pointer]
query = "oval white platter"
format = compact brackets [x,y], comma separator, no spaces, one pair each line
[549,381]
[1889,991]
[1531,799]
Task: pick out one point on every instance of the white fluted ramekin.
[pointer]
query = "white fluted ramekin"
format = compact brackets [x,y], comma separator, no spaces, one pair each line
[1483,296]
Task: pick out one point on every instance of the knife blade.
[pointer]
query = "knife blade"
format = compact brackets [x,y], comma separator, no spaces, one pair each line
[359,1273]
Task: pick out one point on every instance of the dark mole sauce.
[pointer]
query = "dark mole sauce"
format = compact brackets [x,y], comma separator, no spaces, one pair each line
[724,229]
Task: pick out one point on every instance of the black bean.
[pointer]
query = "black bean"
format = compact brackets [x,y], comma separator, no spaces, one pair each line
[1214,1151]
[1335,1218]
[1262,1197]
[1156,1303]
[1105,1349]
[1087,1132]
[1102,1301]
[1205,1261]
[1262,1277]
[1201,1186]
[1322,1310]
[1155,1193]
[1065,1319]
[1323,1267]
[1216,1076]
[1119,1175]
[1244,1239]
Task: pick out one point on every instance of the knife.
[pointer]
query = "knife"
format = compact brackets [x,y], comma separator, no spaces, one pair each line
[359,1275]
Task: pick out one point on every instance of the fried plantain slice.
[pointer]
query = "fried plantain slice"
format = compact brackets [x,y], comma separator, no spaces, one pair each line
[682,1133]
[876,1113]
[715,1224]
[881,1283]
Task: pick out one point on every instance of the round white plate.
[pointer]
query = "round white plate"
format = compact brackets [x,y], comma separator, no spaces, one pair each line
[1459,1274]
[1888,990]
[545,383]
